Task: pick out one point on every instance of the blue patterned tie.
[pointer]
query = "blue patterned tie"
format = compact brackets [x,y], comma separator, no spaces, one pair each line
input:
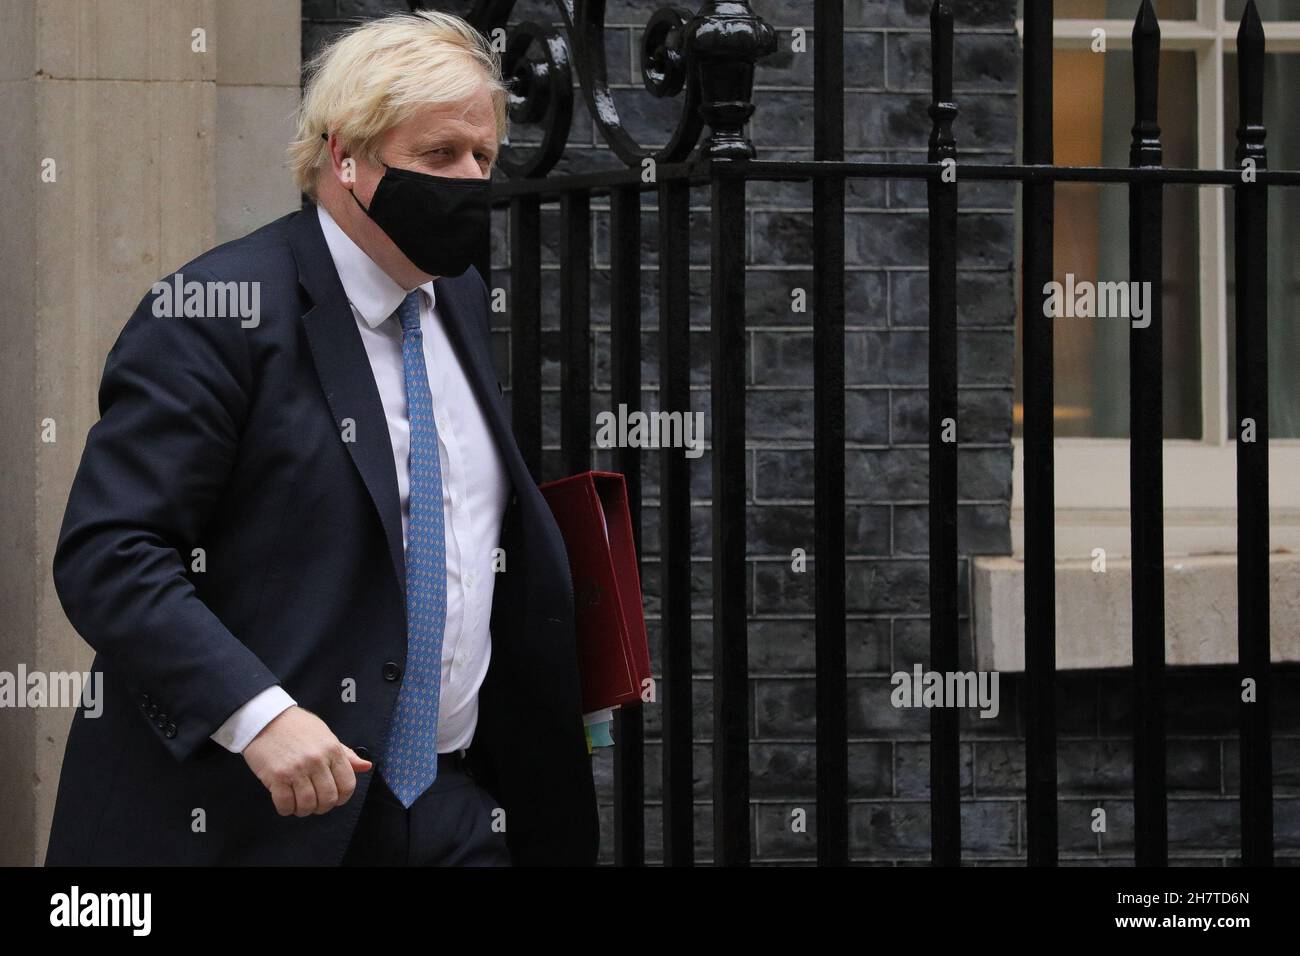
[412,760]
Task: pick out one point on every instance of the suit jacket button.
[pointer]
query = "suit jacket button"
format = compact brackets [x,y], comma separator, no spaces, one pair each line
[361,752]
[151,710]
[392,671]
[170,732]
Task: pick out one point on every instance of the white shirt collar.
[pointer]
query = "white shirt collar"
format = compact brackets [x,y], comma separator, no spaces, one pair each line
[370,289]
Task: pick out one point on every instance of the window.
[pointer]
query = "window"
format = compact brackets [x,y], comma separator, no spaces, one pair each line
[1093,115]
[1281,85]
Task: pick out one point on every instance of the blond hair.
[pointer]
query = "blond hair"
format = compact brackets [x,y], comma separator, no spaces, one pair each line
[374,76]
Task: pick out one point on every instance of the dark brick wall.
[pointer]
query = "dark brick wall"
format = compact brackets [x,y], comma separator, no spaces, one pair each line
[887,64]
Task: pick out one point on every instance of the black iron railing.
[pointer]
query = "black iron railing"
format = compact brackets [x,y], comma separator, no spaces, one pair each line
[706,58]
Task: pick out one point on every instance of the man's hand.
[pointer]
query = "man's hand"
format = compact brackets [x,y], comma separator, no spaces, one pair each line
[306,768]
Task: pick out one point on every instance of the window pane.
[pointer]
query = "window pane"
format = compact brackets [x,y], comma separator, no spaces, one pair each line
[1116,9]
[1093,118]
[1268,9]
[1281,80]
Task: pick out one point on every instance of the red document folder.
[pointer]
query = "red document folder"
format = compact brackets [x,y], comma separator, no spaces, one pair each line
[613,655]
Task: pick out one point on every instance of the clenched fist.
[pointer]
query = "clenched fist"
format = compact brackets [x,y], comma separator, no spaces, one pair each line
[306,768]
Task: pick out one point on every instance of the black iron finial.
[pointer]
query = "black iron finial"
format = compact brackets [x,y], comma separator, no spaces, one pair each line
[942,108]
[1145,150]
[1250,88]
[723,41]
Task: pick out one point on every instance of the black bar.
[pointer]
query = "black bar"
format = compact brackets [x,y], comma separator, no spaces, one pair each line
[730,641]
[1038,200]
[945,760]
[675,527]
[602,182]
[828,441]
[575,332]
[796,171]
[1146,460]
[526,329]
[1253,655]
[625,389]
[757,170]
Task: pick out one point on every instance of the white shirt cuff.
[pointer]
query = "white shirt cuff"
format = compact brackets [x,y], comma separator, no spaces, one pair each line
[247,722]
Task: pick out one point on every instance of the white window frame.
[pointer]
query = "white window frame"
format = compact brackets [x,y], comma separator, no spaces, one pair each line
[1092,476]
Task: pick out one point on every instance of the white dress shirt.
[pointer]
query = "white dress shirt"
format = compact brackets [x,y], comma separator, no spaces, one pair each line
[474,482]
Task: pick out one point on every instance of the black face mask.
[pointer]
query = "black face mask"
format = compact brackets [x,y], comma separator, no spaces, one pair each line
[440,223]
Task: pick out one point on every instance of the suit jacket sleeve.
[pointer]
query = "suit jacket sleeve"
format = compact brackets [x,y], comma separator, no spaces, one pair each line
[172,401]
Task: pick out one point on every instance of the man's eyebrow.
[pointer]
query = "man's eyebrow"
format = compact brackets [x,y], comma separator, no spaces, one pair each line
[487,144]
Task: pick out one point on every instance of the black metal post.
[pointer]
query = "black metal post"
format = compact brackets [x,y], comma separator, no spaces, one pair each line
[1039,455]
[945,762]
[828,441]
[1251,428]
[1146,458]
[730,570]
[575,331]
[727,38]
[625,389]
[675,527]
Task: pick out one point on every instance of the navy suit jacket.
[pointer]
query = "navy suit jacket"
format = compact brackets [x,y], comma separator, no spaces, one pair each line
[232,440]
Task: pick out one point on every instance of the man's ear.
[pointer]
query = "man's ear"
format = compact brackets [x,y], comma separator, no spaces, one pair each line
[347,164]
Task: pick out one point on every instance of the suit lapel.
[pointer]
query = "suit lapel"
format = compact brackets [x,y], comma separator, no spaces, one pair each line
[344,370]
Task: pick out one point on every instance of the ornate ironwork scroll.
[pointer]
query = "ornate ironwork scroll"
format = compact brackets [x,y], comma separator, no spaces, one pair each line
[706,59]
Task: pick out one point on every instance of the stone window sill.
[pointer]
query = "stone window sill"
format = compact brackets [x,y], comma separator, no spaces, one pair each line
[1094,611]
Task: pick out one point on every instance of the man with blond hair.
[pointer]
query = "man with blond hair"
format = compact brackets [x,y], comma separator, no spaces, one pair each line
[332,608]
